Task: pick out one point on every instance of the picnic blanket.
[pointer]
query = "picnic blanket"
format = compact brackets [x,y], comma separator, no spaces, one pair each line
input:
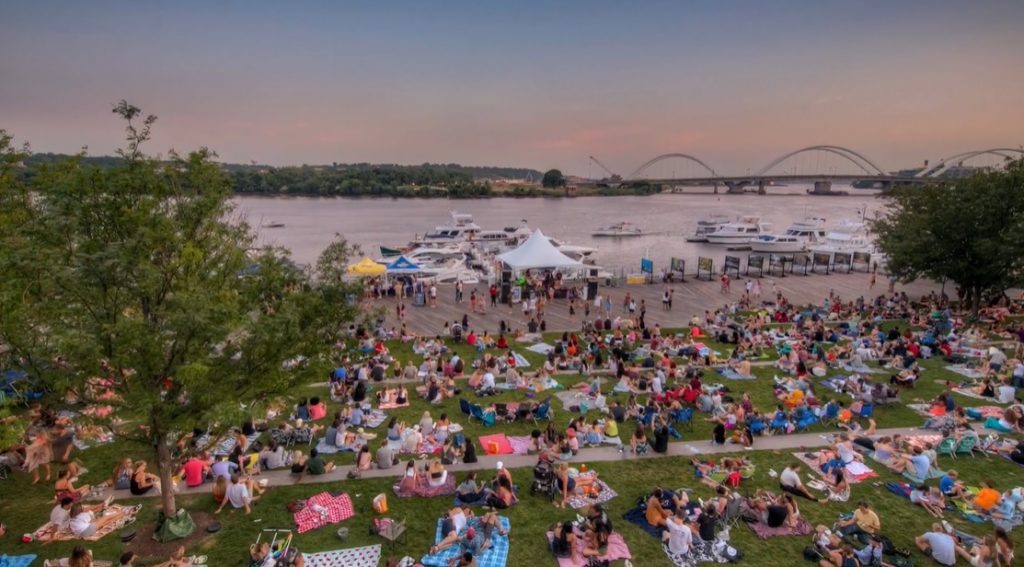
[637,516]
[322,509]
[105,436]
[324,449]
[16,560]
[520,444]
[700,552]
[227,444]
[921,440]
[582,501]
[48,532]
[964,370]
[855,471]
[374,418]
[733,375]
[902,489]
[367,556]
[861,368]
[496,444]
[574,397]
[985,412]
[494,556]
[521,361]
[617,550]
[540,348]
[393,405]
[971,394]
[763,531]
[421,487]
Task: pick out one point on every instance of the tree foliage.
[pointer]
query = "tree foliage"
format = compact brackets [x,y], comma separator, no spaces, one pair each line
[141,265]
[969,231]
[553,178]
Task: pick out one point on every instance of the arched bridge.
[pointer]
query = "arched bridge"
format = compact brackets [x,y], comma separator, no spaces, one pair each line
[791,167]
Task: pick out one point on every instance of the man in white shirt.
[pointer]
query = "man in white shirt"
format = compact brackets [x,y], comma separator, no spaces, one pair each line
[60,516]
[487,383]
[678,534]
[657,383]
[238,494]
[939,543]
[790,482]
[1005,392]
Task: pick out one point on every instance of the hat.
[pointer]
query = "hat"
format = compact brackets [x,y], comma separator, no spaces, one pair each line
[500,465]
[471,532]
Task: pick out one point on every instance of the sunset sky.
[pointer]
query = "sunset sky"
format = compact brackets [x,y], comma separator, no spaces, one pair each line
[537,84]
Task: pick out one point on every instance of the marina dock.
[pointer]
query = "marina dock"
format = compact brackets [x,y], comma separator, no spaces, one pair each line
[690,298]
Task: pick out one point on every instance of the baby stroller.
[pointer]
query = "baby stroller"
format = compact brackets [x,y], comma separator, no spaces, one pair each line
[278,552]
[543,479]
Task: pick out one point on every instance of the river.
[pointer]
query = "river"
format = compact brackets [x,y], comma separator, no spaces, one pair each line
[311,222]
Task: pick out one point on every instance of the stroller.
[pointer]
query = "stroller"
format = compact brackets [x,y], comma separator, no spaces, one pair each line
[278,552]
[543,479]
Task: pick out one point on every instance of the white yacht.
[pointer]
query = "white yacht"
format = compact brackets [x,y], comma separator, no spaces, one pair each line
[847,238]
[619,229]
[800,236]
[444,264]
[739,232]
[573,251]
[461,228]
[707,226]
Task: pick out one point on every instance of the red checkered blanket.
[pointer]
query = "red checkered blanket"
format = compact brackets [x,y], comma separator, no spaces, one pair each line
[324,509]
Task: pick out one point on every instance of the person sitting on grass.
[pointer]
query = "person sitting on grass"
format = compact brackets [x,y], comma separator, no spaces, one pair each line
[929,498]
[436,473]
[864,520]
[563,542]
[65,487]
[316,465]
[83,522]
[638,442]
[940,545]
[178,559]
[789,481]
[241,493]
[656,513]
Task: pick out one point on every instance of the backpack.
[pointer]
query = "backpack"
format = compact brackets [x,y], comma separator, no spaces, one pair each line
[811,553]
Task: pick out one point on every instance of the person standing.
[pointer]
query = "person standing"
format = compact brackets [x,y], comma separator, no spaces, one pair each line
[458,291]
[433,294]
[494,295]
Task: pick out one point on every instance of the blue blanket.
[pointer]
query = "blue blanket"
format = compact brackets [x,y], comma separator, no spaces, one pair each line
[733,375]
[16,560]
[638,517]
[495,556]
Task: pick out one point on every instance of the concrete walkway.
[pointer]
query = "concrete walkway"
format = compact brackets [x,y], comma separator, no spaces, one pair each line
[787,443]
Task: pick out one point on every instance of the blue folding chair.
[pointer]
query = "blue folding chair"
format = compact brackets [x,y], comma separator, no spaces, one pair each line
[867,410]
[684,416]
[465,408]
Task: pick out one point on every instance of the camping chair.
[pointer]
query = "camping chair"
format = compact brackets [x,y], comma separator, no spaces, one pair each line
[647,418]
[684,416]
[476,411]
[831,416]
[488,417]
[732,513]
[543,412]
[465,408]
[804,419]
[966,446]
[757,426]
[946,447]
[779,423]
[867,410]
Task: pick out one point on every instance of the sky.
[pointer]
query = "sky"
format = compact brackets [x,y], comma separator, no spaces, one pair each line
[537,84]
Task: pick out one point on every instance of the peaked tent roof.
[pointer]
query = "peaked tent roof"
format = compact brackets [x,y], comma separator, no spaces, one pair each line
[403,265]
[538,252]
[366,267]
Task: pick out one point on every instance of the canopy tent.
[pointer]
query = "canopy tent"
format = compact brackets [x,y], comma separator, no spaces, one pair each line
[365,268]
[538,252]
[403,265]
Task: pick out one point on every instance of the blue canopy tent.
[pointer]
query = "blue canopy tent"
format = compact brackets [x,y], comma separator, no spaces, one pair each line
[403,265]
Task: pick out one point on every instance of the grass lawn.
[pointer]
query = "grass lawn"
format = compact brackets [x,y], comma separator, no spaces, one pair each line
[24,507]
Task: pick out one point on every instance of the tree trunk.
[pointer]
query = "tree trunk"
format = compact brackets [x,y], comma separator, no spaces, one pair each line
[165,467]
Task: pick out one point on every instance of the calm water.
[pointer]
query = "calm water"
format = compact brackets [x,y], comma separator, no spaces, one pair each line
[310,222]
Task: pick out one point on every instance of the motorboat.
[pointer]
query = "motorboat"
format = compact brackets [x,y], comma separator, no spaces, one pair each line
[739,232]
[574,251]
[274,225]
[498,241]
[800,236]
[619,229]
[461,228]
[707,226]
[848,237]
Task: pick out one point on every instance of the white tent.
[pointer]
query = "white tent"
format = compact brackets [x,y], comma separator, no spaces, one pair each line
[538,252]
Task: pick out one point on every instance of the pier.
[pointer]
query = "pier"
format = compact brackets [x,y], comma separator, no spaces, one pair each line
[690,298]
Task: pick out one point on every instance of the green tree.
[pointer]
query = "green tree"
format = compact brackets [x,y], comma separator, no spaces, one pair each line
[969,231]
[553,178]
[143,265]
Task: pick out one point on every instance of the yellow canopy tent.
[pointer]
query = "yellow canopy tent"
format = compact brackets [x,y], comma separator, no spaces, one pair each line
[366,268]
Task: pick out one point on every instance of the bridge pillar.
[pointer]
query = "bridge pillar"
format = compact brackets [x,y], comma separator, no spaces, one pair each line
[760,187]
[716,188]
[736,187]
[822,188]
